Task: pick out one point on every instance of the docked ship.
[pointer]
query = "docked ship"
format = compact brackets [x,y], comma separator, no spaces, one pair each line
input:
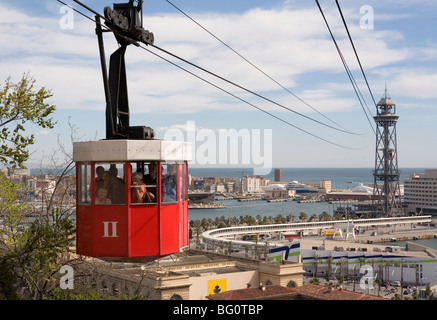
[300,187]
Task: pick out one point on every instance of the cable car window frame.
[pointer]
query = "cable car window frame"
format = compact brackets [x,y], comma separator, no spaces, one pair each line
[142,165]
[122,187]
[185,166]
[181,181]
[165,179]
[84,182]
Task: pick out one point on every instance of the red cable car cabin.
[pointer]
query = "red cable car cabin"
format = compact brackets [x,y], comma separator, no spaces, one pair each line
[131,198]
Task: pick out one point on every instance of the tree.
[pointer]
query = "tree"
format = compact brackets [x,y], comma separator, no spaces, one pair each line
[21,104]
[32,252]
[324,216]
[302,216]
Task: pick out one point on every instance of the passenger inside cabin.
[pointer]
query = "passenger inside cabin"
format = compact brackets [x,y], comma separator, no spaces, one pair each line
[139,190]
[169,184]
[99,173]
[150,180]
[102,197]
[117,186]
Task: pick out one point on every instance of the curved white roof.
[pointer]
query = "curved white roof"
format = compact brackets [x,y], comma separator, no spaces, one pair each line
[363,189]
[276,186]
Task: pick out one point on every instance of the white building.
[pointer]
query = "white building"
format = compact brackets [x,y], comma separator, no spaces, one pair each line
[278,191]
[253,184]
[420,192]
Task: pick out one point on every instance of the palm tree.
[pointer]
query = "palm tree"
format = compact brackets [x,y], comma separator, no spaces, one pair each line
[324,216]
[246,250]
[338,216]
[197,226]
[379,282]
[316,265]
[328,273]
[313,218]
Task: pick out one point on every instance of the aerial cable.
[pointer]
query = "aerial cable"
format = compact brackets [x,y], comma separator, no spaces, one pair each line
[228,81]
[252,64]
[229,93]
[249,91]
[355,51]
[349,73]
[245,101]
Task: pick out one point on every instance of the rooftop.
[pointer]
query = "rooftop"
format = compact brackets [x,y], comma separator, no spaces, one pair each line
[305,292]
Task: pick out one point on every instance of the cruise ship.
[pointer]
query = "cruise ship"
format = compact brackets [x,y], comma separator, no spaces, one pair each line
[299,187]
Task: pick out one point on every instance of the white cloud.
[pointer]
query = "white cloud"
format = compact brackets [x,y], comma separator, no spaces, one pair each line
[43,133]
[287,43]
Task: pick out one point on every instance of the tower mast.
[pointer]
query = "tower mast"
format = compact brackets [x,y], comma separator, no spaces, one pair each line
[386,196]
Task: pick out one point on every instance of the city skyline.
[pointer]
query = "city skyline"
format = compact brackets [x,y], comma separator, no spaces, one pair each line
[288,40]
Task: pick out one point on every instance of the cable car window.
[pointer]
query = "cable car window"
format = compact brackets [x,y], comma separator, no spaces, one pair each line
[84,183]
[109,184]
[168,182]
[143,185]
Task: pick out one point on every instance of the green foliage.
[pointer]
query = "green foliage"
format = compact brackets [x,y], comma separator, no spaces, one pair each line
[89,294]
[32,252]
[21,104]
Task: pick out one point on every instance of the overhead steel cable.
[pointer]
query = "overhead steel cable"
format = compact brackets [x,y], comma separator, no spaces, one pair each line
[253,65]
[355,51]
[231,82]
[216,86]
[245,101]
[349,73]
[250,91]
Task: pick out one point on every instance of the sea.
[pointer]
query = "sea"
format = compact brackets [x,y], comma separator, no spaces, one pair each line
[341,178]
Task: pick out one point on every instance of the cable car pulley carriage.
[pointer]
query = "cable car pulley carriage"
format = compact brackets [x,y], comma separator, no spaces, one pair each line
[131,189]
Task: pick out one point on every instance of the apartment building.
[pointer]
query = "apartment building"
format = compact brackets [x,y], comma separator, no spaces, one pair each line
[420,192]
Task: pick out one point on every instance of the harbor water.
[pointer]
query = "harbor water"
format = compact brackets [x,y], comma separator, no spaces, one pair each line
[341,178]
[344,178]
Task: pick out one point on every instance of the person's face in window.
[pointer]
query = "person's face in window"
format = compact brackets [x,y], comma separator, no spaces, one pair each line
[102,194]
[152,169]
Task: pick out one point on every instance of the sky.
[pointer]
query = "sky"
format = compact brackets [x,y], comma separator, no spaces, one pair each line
[290,46]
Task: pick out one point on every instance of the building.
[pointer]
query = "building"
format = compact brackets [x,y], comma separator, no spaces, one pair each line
[360,193]
[323,186]
[253,184]
[420,192]
[193,276]
[278,191]
[278,174]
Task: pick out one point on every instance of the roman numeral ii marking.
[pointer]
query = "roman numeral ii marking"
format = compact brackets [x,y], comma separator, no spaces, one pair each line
[106,229]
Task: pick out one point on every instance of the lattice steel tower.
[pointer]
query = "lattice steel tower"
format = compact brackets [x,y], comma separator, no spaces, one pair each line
[386,196]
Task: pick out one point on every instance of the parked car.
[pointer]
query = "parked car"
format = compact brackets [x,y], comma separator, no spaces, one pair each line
[396,284]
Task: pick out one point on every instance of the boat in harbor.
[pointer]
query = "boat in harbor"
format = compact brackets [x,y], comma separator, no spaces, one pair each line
[300,187]
[206,206]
